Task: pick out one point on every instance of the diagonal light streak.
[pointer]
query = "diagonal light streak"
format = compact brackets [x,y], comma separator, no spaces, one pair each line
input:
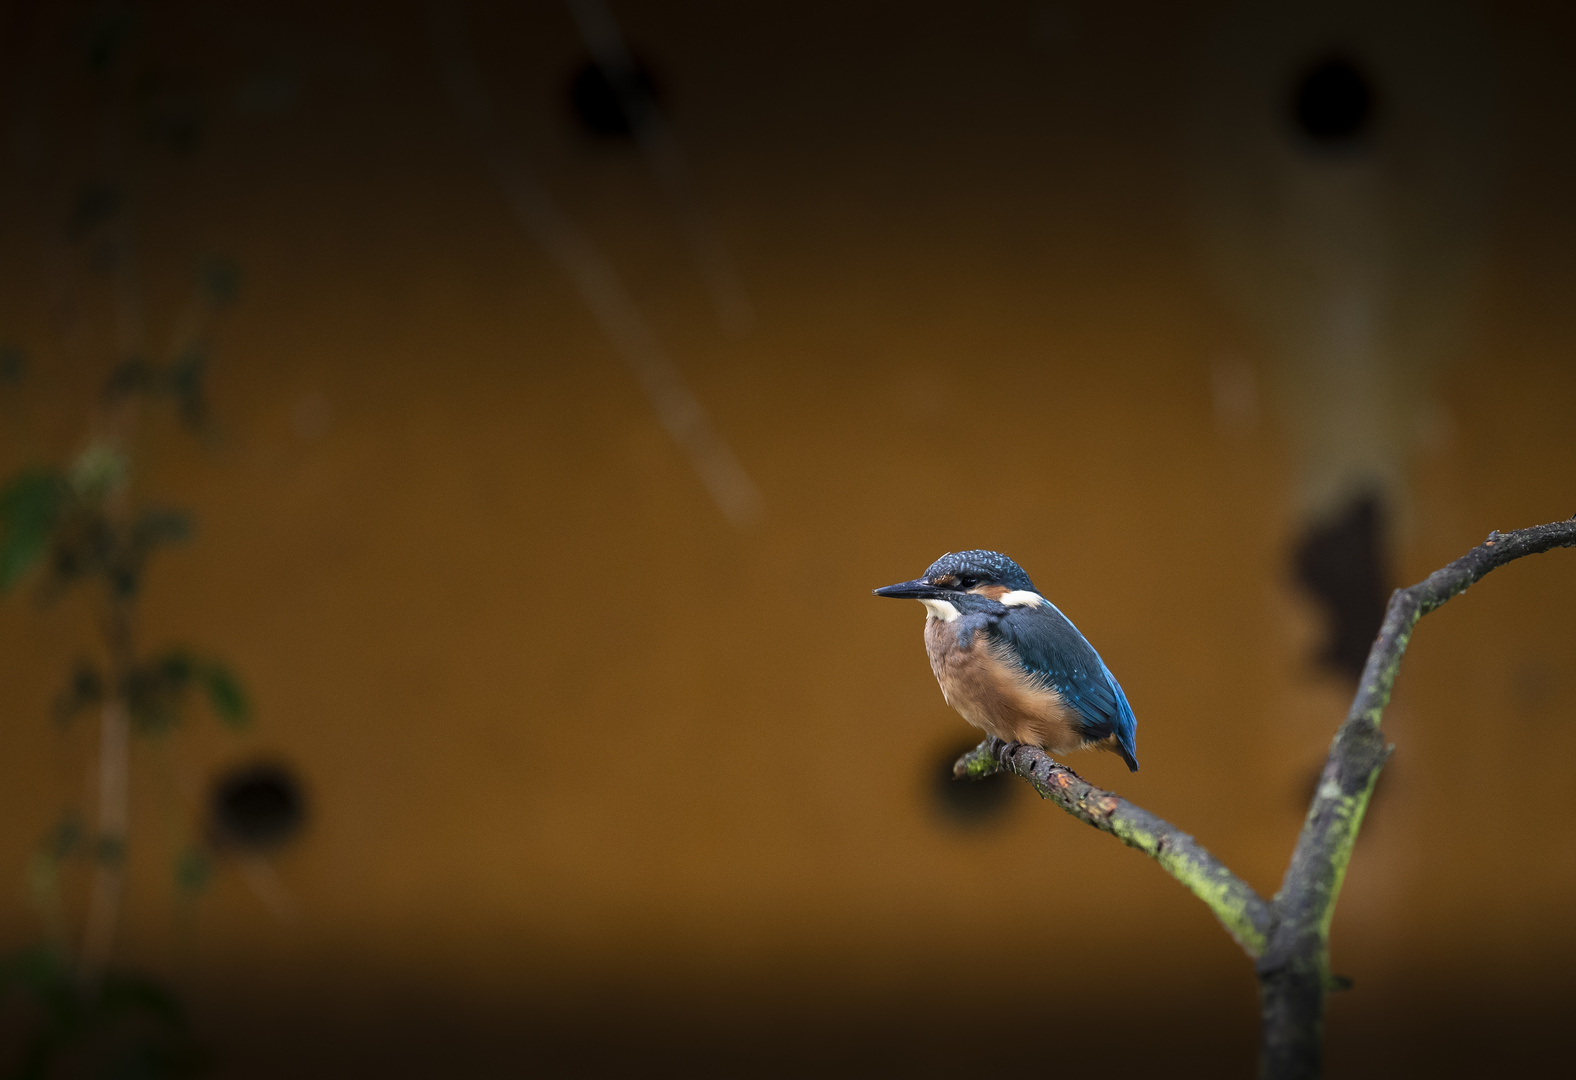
[680,413]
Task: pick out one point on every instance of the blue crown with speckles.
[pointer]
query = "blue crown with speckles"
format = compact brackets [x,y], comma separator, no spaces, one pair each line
[991,566]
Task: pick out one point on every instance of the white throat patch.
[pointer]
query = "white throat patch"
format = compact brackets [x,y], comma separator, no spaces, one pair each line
[940,609]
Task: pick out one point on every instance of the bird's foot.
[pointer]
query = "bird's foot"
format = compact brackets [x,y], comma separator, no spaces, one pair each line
[1008,751]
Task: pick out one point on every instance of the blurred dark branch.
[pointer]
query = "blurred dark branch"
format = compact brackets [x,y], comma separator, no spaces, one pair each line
[1289,937]
[1240,910]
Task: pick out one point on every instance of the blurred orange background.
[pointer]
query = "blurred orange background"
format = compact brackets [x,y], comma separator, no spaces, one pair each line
[597,778]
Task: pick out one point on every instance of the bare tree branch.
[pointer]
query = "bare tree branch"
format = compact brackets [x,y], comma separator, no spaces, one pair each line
[1294,972]
[1289,936]
[1240,910]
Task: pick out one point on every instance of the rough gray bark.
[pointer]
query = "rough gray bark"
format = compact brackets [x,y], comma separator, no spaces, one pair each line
[1288,937]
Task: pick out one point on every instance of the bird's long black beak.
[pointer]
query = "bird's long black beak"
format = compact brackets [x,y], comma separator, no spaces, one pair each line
[918,589]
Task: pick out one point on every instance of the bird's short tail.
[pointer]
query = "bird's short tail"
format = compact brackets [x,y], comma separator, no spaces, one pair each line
[1126,726]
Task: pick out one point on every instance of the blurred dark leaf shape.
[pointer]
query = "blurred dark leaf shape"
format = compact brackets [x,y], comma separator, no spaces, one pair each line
[157,690]
[13,365]
[86,543]
[181,381]
[193,871]
[159,525]
[83,690]
[30,505]
[129,1027]
[65,837]
[131,376]
[109,850]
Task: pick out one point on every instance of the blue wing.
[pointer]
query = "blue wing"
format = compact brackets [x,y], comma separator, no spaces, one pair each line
[1051,649]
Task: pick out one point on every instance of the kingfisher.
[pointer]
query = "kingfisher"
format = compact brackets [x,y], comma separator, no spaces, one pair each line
[1011,663]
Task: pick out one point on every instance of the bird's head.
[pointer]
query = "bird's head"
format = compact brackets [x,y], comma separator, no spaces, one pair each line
[961,580]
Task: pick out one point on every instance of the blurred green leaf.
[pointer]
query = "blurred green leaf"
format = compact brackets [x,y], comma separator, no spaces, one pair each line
[29,507]
[226,696]
[156,690]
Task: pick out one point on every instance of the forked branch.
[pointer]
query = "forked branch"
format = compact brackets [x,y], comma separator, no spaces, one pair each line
[1289,936]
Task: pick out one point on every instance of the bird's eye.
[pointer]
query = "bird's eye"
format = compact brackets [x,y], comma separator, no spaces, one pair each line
[967,581]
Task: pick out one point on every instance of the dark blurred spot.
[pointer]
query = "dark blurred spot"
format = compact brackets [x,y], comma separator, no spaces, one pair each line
[604,104]
[257,807]
[1341,562]
[1310,787]
[1333,102]
[968,802]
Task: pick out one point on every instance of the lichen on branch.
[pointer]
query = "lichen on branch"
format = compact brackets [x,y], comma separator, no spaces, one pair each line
[1243,913]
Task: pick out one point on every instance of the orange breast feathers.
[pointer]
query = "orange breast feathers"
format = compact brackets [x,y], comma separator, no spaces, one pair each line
[990,690]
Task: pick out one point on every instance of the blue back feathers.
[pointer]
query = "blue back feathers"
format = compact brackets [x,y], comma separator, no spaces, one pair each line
[1045,643]
[1051,649]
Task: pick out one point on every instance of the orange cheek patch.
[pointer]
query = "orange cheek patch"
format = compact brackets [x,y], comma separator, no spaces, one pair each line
[993,592]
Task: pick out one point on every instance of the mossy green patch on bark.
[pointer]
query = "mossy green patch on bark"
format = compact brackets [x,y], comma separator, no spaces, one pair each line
[977,764]
[1348,820]
[1230,899]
